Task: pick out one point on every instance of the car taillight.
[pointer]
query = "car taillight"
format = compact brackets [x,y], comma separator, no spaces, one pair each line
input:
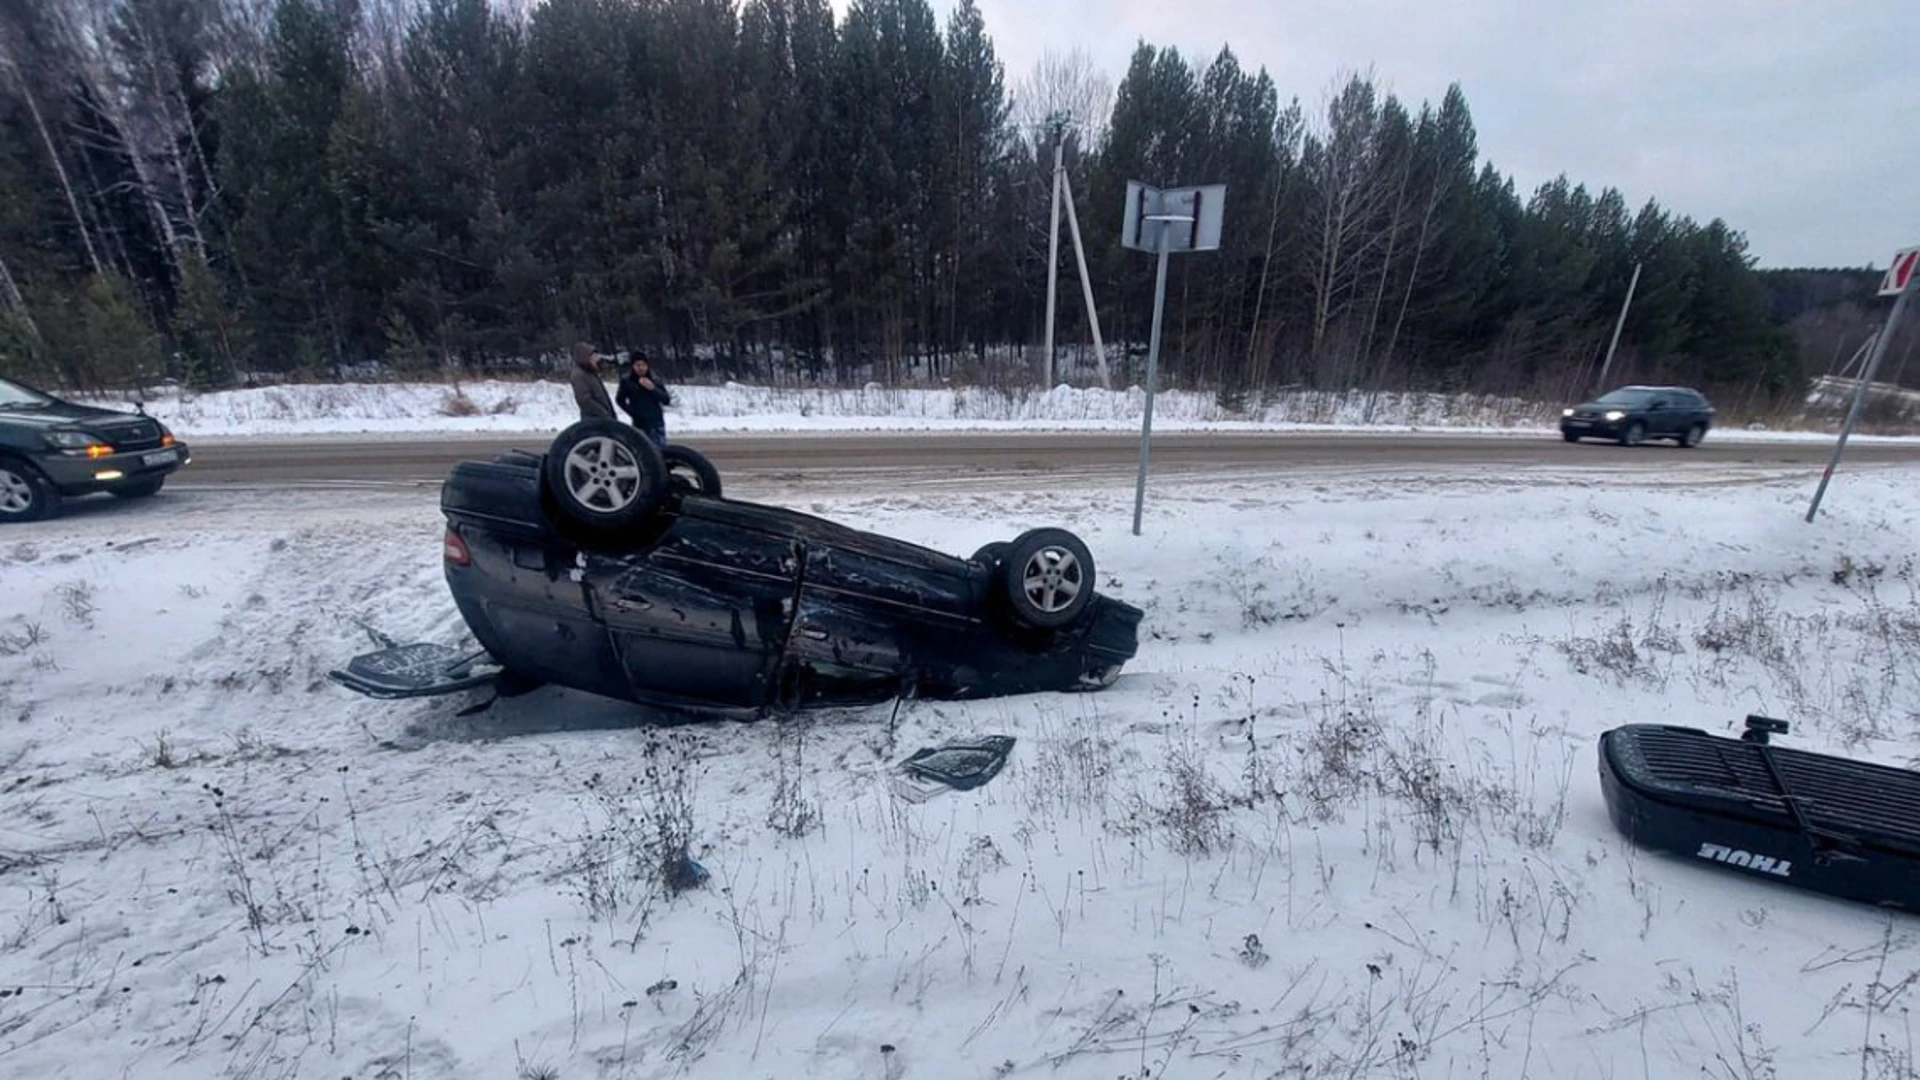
[456,550]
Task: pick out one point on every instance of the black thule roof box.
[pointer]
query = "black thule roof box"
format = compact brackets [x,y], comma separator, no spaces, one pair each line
[1829,824]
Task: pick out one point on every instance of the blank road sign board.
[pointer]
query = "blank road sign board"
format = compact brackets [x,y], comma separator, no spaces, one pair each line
[1905,265]
[1187,219]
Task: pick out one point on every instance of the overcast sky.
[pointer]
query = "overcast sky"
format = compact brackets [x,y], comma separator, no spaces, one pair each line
[1799,123]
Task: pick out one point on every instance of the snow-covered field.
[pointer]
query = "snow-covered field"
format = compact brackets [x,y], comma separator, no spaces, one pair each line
[500,406]
[1340,817]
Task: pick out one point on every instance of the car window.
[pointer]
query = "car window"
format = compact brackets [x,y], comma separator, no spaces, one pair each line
[1628,398]
[13,395]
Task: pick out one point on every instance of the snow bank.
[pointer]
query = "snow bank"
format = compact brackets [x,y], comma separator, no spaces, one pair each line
[1339,818]
[502,406]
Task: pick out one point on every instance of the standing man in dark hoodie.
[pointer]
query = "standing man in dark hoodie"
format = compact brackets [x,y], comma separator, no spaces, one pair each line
[588,391]
[642,395]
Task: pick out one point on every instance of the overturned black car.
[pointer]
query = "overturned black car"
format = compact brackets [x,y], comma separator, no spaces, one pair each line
[617,568]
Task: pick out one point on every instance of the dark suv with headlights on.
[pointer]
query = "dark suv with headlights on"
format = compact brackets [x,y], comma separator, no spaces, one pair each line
[52,449]
[1633,414]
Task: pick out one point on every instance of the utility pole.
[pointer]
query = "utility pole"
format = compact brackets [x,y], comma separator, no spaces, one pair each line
[1618,325]
[1063,190]
[1086,284]
[1903,278]
[1053,251]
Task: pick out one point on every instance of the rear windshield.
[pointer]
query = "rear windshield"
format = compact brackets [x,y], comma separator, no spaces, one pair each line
[13,395]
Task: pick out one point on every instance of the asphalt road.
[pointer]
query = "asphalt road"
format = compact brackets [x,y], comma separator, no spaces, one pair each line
[770,457]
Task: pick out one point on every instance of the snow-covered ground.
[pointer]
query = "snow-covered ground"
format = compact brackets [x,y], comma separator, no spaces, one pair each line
[1339,818]
[500,406]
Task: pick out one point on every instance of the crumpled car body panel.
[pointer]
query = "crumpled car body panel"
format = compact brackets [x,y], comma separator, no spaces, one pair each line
[733,608]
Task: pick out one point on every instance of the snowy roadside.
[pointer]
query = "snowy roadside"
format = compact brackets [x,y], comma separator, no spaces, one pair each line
[1339,818]
[501,407]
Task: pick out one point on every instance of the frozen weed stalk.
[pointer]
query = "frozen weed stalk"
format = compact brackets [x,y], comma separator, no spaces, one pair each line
[670,782]
[1190,805]
[1070,765]
[613,869]
[792,813]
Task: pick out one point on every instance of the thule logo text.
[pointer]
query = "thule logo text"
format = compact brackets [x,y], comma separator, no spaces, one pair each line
[1766,864]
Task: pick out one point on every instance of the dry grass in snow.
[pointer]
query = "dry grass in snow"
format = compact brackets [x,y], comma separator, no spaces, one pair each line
[1339,819]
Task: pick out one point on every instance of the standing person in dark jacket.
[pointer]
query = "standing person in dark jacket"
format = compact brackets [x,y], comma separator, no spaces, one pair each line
[588,391]
[642,395]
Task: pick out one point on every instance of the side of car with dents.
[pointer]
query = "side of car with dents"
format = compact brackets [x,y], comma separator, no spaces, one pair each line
[610,567]
[52,450]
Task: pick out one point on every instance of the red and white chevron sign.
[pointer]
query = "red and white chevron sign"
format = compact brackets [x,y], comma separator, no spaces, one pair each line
[1905,265]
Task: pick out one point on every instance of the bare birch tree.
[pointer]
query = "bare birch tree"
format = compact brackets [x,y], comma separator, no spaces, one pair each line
[17,50]
[1342,228]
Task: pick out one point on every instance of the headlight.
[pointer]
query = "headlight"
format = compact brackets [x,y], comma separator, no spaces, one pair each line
[1566,412]
[1616,415]
[72,441]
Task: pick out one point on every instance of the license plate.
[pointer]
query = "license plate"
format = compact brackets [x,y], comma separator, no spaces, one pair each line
[1579,423]
[163,457]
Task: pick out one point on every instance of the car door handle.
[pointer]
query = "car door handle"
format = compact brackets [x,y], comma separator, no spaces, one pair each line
[812,631]
[632,603]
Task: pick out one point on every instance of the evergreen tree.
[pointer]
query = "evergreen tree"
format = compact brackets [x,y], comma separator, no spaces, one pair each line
[757,189]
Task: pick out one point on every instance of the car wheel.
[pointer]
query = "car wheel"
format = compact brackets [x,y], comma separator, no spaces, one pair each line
[1047,577]
[1693,436]
[25,495]
[689,470]
[604,476]
[1569,436]
[1635,435]
[140,489]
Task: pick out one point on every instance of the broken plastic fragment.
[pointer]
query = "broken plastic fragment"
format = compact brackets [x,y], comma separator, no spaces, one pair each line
[961,764]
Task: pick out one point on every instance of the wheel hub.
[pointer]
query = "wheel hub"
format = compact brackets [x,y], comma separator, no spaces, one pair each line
[16,495]
[1052,579]
[603,475]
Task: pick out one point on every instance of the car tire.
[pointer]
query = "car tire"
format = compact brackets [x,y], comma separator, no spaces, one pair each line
[1036,568]
[139,489]
[1635,434]
[25,495]
[1569,436]
[603,477]
[989,554]
[689,471]
[1693,436]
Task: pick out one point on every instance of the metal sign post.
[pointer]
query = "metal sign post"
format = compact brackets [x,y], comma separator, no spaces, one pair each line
[1901,281]
[1163,222]
[1153,378]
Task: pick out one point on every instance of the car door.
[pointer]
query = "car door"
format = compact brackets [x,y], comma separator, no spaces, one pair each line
[876,610]
[702,617]
[1698,411]
[1664,417]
